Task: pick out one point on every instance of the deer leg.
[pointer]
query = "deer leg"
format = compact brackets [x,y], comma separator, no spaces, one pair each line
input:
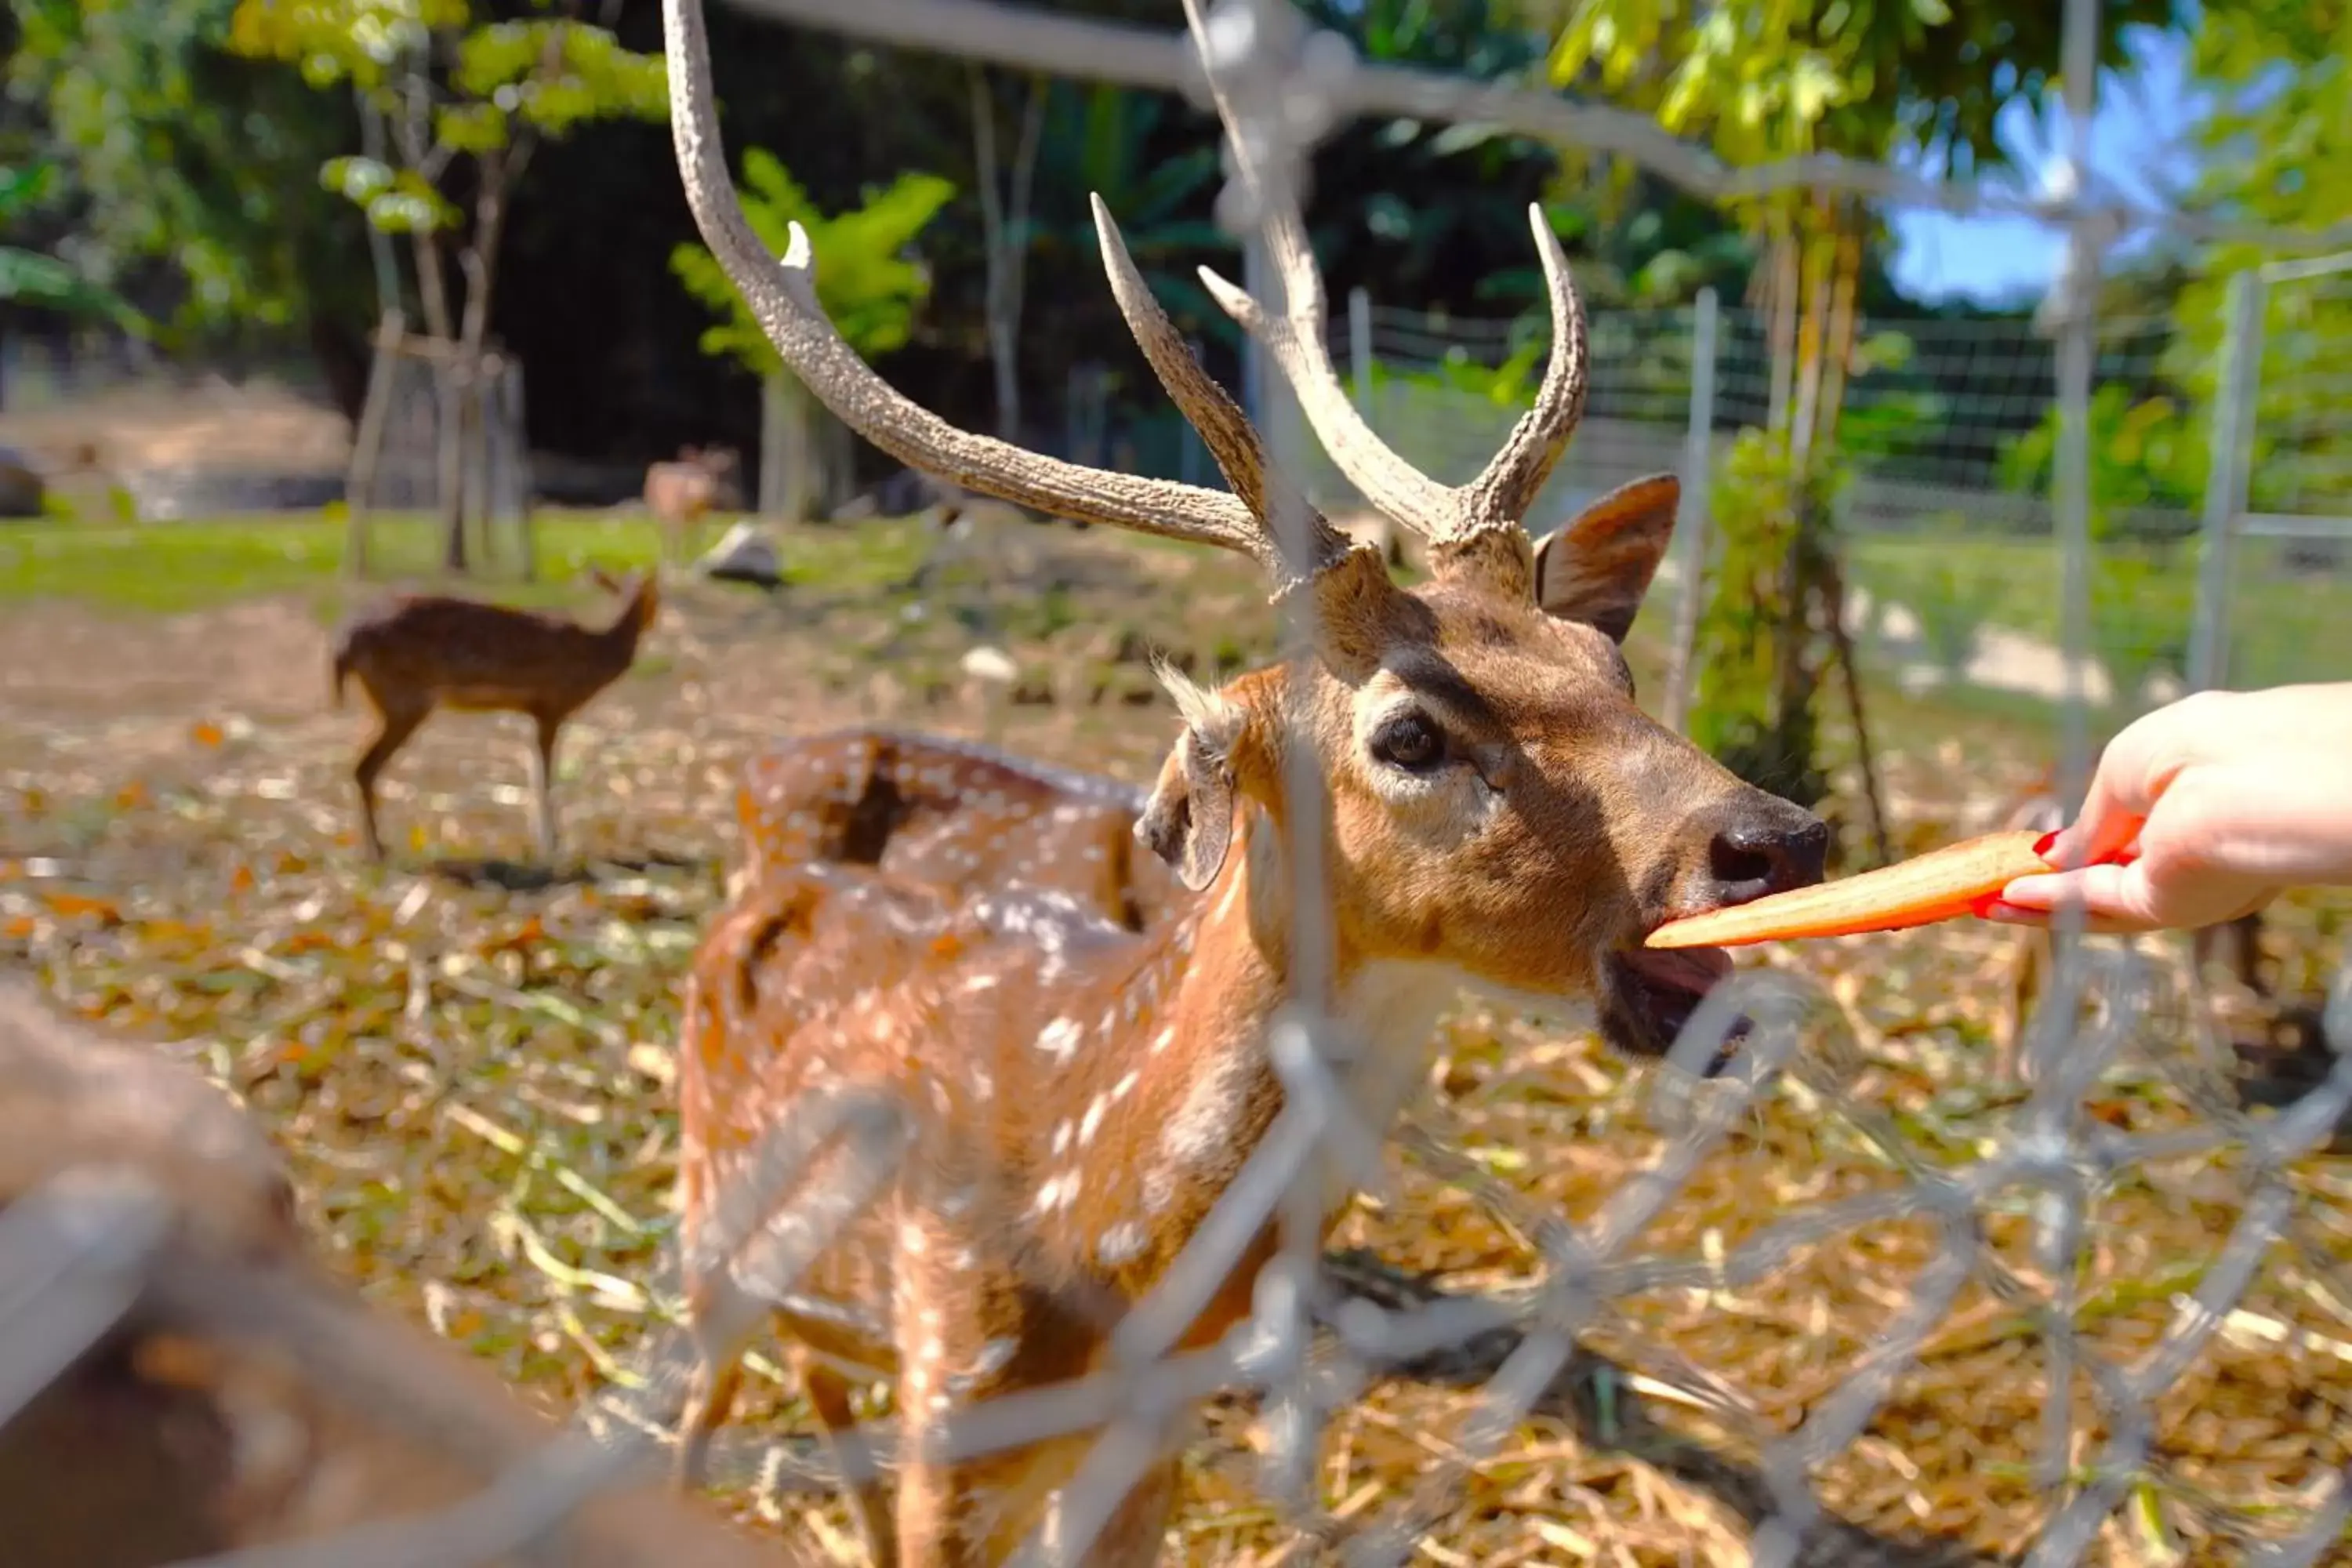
[543,781]
[709,1397]
[397,725]
[828,1395]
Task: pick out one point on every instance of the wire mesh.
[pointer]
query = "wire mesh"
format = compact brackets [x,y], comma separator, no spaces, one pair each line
[1938,422]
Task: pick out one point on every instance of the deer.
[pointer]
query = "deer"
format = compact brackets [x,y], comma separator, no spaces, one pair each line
[681,493]
[417,652]
[963,816]
[247,1399]
[1494,811]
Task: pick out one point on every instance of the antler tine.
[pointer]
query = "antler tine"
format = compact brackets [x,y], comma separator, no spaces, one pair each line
[1509,484]
[1232,441]
[783,298]
[1439,512]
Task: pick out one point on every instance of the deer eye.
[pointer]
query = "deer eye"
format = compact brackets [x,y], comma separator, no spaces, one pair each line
[1409,741]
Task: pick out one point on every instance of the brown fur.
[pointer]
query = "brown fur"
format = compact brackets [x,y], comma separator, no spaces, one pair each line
[423,651]
[963,817]
[247,1399]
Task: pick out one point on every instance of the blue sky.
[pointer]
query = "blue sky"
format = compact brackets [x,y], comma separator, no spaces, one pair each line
[2137,147]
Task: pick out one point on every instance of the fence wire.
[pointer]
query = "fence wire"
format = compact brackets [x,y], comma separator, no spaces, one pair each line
[81,1255]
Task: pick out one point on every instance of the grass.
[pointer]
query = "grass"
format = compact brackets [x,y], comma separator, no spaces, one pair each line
[171,568]
[2285,626]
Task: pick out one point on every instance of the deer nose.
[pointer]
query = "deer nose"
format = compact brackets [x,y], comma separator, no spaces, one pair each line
[1768,850]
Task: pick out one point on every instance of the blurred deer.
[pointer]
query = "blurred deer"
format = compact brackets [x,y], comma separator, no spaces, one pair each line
[421,651]
[963,817]
[244,1399]
[680,494]
[1080,1097]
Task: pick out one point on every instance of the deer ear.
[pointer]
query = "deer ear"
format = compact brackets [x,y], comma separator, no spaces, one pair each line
[1189,820]
[1596,567]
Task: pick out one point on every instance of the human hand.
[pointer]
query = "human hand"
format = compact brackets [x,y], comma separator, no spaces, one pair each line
[2224,800]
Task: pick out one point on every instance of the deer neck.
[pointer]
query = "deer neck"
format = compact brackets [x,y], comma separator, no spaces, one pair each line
[1218,977]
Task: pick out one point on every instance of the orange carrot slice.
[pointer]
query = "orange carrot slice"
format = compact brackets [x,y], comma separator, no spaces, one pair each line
[1964,878]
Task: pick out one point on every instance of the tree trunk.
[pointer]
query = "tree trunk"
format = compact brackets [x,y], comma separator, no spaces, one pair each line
[775,418]
[1004,227]
[799,444]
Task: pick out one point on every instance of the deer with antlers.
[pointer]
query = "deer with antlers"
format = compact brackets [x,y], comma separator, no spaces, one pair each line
[963,817]
[1500,814]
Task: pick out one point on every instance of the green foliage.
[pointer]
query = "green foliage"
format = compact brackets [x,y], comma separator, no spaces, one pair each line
[865,280]
[1756,697]
[546,75]
[42,283]
[2145,455]
[183,168]
[2277,149]
[1766,78]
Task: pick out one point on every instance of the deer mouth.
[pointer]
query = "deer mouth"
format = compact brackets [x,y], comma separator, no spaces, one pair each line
[1649,997]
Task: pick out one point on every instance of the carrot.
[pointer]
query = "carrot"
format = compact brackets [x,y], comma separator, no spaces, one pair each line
[1963,879]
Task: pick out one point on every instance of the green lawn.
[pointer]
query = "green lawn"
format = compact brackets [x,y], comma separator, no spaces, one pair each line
[2285,627]
[167,567]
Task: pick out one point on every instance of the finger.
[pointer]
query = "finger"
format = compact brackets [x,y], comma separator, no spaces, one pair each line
[2116,898]
[2042,920]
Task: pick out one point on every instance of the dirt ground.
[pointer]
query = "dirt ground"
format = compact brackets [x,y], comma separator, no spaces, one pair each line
[469,1067]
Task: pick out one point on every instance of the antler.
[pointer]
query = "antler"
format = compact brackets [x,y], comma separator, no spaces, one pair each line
[783,298]
[1499,496]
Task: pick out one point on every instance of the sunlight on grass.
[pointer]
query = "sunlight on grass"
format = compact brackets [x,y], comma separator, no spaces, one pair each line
[168,568]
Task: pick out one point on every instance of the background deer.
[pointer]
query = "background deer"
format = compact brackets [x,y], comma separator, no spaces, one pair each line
[420,651]
[1501,813]
[964,818]
[681,494]
[246,1400]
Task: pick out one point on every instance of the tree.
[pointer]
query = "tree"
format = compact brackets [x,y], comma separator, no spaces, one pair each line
[864,281]
[38,282]
[2278,149]
[184,176]
[457,96]
[1764,80]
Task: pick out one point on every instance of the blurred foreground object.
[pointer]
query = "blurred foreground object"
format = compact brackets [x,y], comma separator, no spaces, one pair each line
[178,1377]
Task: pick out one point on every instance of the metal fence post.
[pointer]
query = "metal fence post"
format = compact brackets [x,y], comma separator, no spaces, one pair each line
[1698,445]
[2228,479]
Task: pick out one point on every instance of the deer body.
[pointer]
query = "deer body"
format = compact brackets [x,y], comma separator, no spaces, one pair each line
[419,652]
[965,817]
[681,493]
[1500,813]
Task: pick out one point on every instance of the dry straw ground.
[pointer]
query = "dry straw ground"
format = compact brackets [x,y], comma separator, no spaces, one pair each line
[470,1064]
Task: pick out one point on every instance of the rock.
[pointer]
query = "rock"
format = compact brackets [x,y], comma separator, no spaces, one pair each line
[746,554]
[990,664]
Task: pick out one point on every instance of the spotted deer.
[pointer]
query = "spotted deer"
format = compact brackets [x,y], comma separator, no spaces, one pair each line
[2039,808]
[1499,813]
[680,494]
[964,818]
[417,652]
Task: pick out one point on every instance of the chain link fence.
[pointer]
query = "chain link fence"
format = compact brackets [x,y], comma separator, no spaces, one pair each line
[2012,1213]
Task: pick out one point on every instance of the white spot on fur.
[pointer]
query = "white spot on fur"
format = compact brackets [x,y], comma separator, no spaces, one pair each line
[1126,1085]
[1062,1137]
[1093,1121]
[1204,1119]
[1060,1038]
[1122,1243]
[1163,1039]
